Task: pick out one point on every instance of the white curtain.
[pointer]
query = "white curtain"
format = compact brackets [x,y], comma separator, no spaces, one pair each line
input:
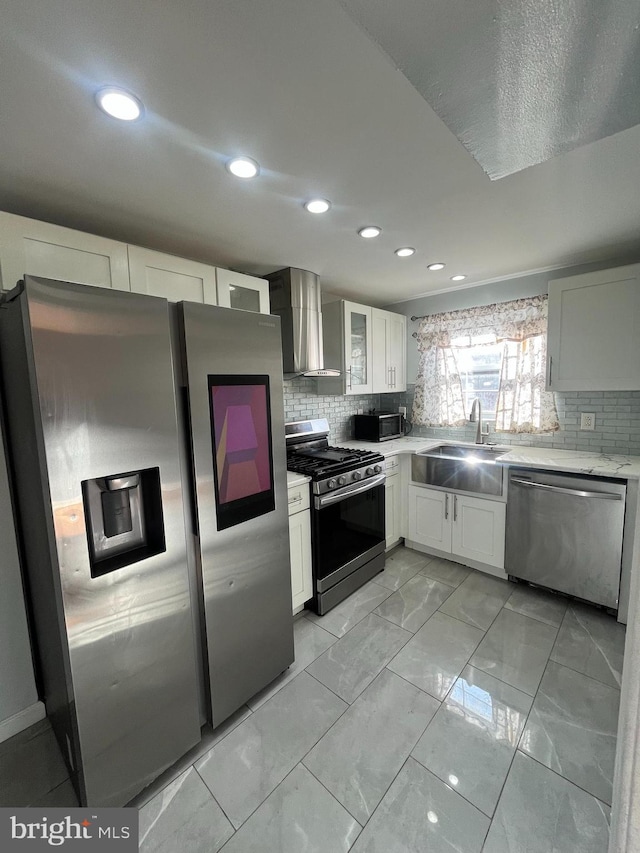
[521,326]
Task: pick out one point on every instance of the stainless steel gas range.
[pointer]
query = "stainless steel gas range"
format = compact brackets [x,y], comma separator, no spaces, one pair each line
[347,511]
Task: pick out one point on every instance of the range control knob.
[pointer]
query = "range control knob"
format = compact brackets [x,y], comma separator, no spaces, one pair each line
[378,469]
[357,475]
[331,484]
[342,481]
[369,472]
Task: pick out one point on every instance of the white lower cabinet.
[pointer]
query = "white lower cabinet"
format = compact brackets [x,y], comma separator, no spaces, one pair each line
[300,545]
[394,489]
[460,525]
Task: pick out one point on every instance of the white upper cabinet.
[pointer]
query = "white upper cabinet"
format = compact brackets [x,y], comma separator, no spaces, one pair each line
[237,290]
[389,351]
[171,277]
[367,344]
[30,247]
[594,331]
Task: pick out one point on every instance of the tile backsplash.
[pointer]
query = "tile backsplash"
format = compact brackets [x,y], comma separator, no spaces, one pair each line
[617,424]
[302,400]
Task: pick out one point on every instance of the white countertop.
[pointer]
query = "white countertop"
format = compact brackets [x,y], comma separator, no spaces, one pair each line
[576,461]
[294,479]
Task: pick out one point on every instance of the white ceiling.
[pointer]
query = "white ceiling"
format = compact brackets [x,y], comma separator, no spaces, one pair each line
[298,86]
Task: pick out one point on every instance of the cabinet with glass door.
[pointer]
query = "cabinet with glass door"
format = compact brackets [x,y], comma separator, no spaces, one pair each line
[347,346]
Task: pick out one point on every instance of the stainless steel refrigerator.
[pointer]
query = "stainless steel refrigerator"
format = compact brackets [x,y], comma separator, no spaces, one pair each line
[231,369]
[142,532]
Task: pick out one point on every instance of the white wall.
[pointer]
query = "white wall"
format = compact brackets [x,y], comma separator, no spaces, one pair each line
[19,705]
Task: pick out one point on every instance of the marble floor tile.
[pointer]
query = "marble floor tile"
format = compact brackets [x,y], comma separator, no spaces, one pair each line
[591,642]
[300,815]
[353,662]
[412,604]
[572,729]
[401,565]
[437,654]
[445,571]
[540,605]
[310,642]
[516,650]
[361,754]
[540,812]
[32,765]
[471,740]
[419,813]
[184,816]
[208,739]
[352,610]
[478,600]
[255,757]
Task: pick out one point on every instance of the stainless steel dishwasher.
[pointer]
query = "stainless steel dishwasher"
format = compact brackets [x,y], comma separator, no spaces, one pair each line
[564,532]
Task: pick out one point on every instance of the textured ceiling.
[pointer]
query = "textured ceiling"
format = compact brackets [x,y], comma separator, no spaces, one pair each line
[300,87]
[517,81]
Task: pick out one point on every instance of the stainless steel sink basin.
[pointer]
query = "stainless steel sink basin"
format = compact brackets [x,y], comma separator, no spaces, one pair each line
[480,452]
[464,469]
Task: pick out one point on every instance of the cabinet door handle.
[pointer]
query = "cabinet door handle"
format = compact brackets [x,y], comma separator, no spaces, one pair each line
[446,506]
[550,368]
[350,375]
[455,507]
[295,499]
[390,377]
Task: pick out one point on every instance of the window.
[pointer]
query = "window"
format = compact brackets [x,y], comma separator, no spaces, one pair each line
[496,353]
[480,364]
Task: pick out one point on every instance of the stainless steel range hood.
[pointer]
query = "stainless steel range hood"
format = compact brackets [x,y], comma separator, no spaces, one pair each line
[295,297]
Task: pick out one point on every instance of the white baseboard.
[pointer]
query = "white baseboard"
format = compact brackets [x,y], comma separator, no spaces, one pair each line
[22,720]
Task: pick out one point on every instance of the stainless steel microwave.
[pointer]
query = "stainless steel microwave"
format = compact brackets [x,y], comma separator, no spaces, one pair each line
[382,426]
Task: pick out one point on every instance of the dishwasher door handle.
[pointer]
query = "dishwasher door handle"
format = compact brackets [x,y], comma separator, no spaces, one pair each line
[578,493]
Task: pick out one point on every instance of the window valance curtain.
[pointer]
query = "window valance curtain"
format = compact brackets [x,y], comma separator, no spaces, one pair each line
[521,327]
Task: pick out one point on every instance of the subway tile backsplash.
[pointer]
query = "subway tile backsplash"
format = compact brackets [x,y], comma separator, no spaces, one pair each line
[302,400]
[617,426]
[617,418]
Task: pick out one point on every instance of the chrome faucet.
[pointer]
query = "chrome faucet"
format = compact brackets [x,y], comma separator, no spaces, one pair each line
[472,418]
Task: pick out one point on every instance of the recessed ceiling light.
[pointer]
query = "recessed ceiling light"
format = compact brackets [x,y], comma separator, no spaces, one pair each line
[317,205]
[370,231]
[243,167]
[434,267]
[119,104]
[458,277]
[405,252]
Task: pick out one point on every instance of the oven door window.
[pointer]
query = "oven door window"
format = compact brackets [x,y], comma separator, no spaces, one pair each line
[345,530]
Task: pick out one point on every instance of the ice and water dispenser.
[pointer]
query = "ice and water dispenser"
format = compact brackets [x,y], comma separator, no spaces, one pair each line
[124,519]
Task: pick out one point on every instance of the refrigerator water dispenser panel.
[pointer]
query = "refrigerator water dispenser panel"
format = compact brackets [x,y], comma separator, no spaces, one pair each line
[124,519]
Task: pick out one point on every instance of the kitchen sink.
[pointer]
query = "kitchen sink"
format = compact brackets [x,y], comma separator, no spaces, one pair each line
[480,452]
[464,469]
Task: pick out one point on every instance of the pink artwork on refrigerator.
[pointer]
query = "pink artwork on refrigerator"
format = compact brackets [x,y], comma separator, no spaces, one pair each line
[242,445]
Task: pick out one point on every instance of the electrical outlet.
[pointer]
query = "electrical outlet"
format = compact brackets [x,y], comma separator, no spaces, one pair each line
[403,411]
[587,420]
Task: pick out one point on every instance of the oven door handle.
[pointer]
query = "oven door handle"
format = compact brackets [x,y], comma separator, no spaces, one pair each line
[348,492]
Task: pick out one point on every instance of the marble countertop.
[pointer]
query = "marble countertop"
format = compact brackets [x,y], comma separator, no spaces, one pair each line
[574,461]
[294,479]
